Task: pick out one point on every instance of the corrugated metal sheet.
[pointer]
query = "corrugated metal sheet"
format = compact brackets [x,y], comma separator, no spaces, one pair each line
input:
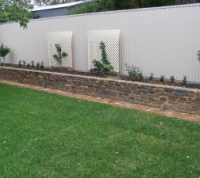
[163,41]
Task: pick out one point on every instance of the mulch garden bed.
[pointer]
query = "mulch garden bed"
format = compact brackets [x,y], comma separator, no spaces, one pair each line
[112,75]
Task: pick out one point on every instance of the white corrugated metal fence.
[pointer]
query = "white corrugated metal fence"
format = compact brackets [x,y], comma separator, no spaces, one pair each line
[163,40]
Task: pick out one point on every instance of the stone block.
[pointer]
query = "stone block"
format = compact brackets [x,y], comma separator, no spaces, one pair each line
[171,98]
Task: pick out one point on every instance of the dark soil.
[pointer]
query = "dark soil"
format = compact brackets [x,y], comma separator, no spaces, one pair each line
[109,75]
[167,82]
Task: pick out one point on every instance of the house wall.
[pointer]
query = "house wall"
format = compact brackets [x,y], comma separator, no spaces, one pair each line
[163,40]
[51,12]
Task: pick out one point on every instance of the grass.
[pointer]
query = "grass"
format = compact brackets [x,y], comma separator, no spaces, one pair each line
[47,135]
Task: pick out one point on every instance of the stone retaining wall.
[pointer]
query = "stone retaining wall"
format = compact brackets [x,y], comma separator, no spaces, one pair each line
[159,96]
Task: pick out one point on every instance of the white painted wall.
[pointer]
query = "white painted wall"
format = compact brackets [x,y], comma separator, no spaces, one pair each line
[163,40]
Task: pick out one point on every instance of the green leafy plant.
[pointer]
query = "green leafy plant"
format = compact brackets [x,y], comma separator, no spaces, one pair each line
[38,65]
[4,50]
[58,57]
[20,63]
[28,65]
[24,63]
[32,64]
[103,65]
[198,54]
[134,72]
[162,78]
[151,77]
[172,79]
[184,81]
[17,11]
[42,65]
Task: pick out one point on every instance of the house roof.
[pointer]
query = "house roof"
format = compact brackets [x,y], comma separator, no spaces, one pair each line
[57,6]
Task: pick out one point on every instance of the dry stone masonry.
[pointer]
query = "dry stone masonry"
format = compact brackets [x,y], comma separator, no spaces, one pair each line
[159,96]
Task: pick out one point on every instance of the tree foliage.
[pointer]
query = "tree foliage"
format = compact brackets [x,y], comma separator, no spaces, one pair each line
[186,1]
[17,11]
[111,5]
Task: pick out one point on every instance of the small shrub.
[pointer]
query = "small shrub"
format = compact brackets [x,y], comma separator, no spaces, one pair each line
[172,79]
[20,63]
[38,65]
[28,65]
[4,50]
[184,81]
[151,77]
[24,63]
[134,72]
[32,64]
[58,57]
[198,54]
[162,78]
[42,65]
[103,65]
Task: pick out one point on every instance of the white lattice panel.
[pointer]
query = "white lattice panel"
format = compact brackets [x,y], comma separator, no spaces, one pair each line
[65,41]
[111,40]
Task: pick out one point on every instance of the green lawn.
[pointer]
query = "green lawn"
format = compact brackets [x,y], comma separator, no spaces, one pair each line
[47,135]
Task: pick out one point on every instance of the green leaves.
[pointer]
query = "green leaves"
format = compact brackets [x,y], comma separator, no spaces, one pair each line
[17,11]
[4,50]
[58,57]
[134,72]
[103,65]
[184,81]
[198,54]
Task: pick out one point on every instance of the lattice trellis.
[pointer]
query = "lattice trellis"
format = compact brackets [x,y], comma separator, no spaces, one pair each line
[111,40]
[65,40]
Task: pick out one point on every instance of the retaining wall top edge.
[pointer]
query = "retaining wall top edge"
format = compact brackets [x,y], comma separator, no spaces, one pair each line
[106,79]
